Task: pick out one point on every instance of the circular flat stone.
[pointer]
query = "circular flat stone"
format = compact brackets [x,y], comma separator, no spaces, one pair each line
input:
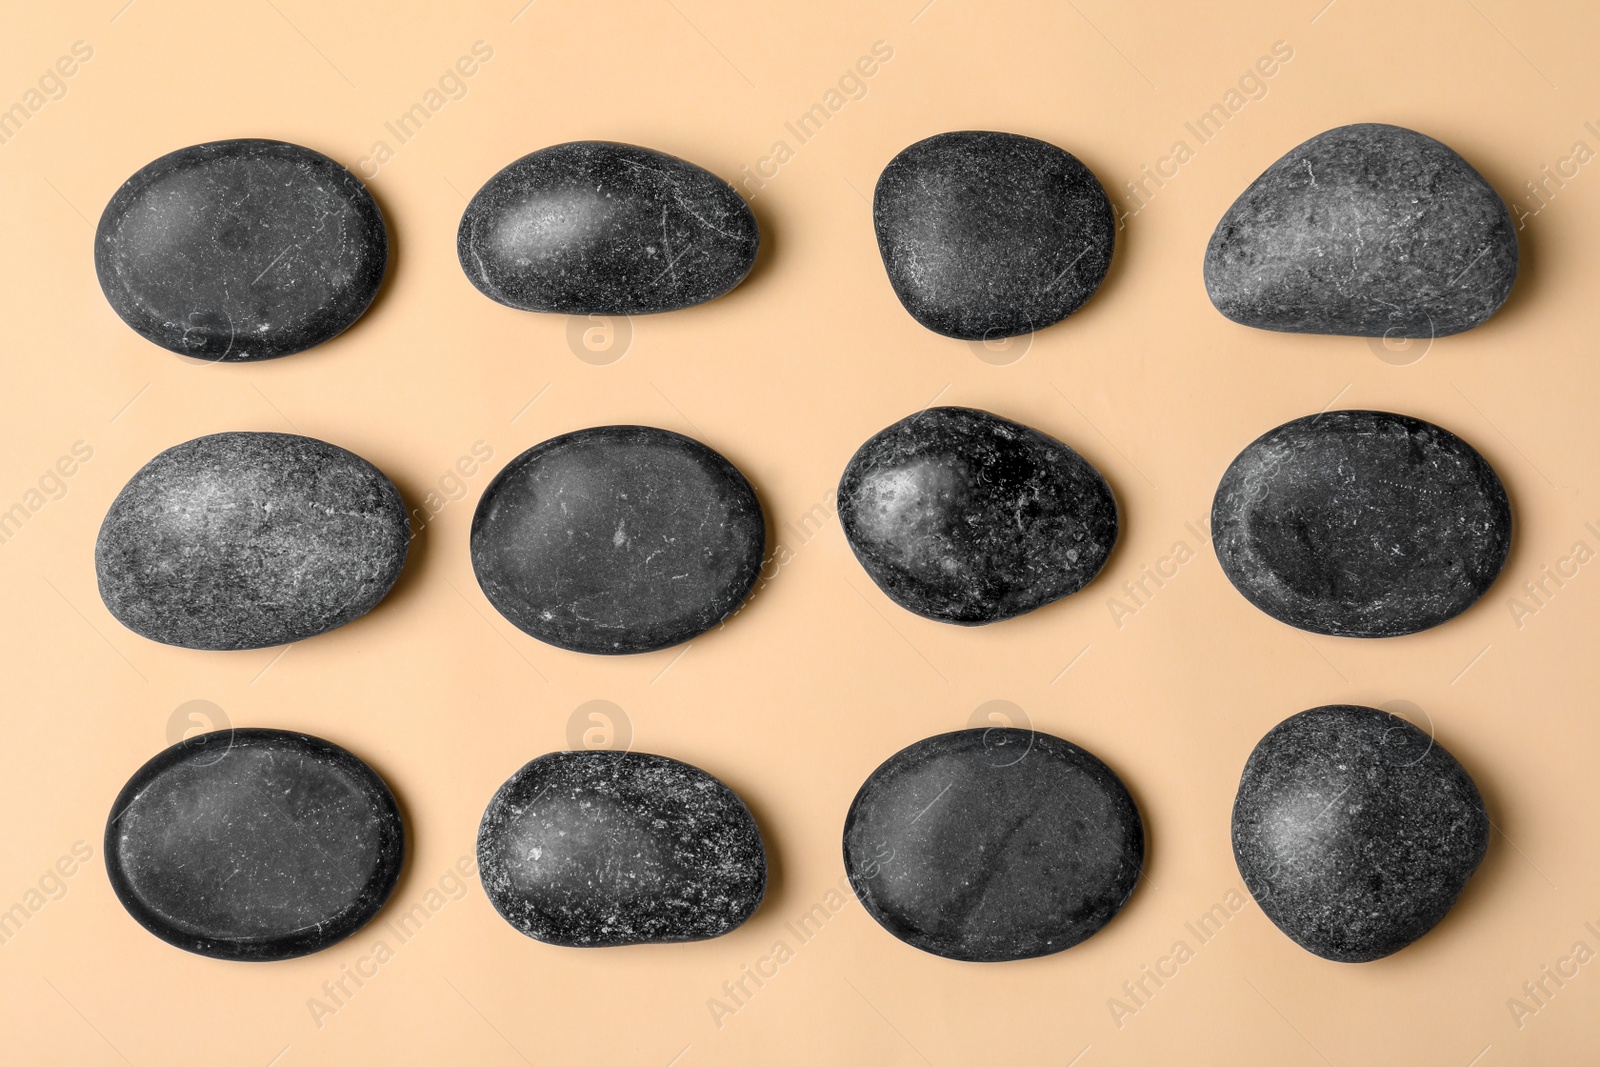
[990,845]
[595,848]
[1361,524]
[245,540]
[617,539]
[1355,831]
[254,844]
[596,228]
[965,517]
[242,250]
[991,235]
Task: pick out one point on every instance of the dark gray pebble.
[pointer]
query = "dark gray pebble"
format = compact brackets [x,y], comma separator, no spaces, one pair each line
[245,540]
[597,848]
[254,844]
[991,235]
[596,228]
[617,539]
[1370,230]
[1361,524]
[1355,831]
[965,517]
[241,250]
[990,845]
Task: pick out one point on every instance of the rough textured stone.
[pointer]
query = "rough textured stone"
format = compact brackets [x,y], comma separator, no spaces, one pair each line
[1361,524]
[254,844]
[241,250]
[588,849]
[991,235]
[1370,230]
[965,517]
[595,228]
[1355,831]
[617,539]
[991,845]
[245,540]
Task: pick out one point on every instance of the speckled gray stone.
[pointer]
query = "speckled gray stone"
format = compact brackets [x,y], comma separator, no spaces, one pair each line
[965,517]
[1355,831]
[1370,230]
[991,845]
[991,235]
[245,540]
[617,539]
[596,228]
[596,848]
[254,844]
[1361,524]
[241,250]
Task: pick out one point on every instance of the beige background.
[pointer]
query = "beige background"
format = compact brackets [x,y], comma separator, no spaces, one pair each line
[820,678]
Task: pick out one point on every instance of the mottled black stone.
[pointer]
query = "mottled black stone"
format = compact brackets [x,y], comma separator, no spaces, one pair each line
[617,539]
[1370,230]
[245,540]
[597,848]
[254,844]
[1361,524]
[991,235]
[241,250]
[1355,831]
[596,228]
[990,845]
[965,517]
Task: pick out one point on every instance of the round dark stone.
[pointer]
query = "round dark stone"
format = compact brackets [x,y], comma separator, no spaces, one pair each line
[1370,230]
[1355,831]
[965,517]
[617,539]
[241,250]
[991,235]
[596,848]
[990,845]
[596,228]
[254,844]
[1361,524]
[245,540]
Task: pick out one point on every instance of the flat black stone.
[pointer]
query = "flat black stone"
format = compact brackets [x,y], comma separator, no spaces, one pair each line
[596,228]
[1355,831]
[965,517]
[991,235]
[245,540]
[1369,230]
[597,848]
[991,845]
[617,539]
[1361,524]
[241,250]
[254,844]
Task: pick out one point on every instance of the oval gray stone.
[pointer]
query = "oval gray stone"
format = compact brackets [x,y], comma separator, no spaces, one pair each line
[596,228]
[1361,524]
[245,540]
[965,517]
[1355,831]
[596,848]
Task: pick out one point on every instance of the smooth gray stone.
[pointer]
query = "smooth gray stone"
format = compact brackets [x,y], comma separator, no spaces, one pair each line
[597,848]
[991,845]
[241,250]
[1361,524]
[1355,831]
[1369,230]
[962,516]
[596,228]
[245,540]
[991,235]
